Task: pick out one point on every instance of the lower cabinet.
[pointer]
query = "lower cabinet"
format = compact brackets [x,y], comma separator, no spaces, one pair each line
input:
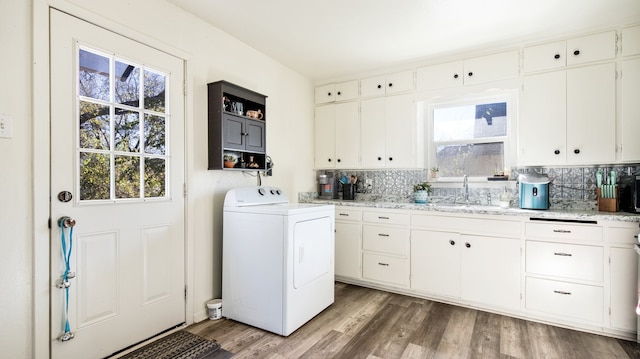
[385,246]
[474,268]
[348,243]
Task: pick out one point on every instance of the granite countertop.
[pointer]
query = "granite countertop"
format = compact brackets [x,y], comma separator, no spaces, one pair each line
[485,209]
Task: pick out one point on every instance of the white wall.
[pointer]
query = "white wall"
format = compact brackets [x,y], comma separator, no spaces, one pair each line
[211,56]
[15,180]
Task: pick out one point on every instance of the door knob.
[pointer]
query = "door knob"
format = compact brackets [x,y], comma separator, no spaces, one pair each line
[66,222]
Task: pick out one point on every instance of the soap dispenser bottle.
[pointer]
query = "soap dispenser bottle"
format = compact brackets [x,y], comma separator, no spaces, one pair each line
[505,198]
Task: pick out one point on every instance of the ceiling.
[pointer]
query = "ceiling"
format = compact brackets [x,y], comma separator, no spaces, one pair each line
[329,39]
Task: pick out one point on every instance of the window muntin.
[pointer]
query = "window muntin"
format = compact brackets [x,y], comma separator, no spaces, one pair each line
[470,138]
[122,121]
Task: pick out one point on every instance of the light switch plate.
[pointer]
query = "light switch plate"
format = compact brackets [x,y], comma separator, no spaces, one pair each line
[6,126]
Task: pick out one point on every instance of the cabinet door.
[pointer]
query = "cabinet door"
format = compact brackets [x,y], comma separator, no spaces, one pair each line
[545,57]
[347,135]
[630,127]
[440,76]
[373,86]
[324,137]
[372,132]
[325,94]
[255,136]
[399,82]
[541,127]
[591,114]
[435,262]
[347,90]
[400,132]
[233,132]
[500,66]
[624,288]
[490,271]
[631,41]
[591,48]
[347,253]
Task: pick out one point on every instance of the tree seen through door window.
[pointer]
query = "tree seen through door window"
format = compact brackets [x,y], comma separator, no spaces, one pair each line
[122,144]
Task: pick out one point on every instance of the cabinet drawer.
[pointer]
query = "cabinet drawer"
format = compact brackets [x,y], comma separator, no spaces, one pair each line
[386,218]
[391,240]
[624,235]
[385,269]
[544,57]
[347,214]
[563,231]
[577,301]
[565,260]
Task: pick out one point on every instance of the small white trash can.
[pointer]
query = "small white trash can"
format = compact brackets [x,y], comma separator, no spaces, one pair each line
[215,309]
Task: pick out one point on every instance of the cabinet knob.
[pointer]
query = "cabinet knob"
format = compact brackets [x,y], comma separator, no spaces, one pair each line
[328,93]
[452,242]
[467,244]
[557,56]
[576,151]
[455,76]
[577,52]
[557,152]
[390,84]
[379,158]
[329,159]
[470,74]
[379,86]
[390,158]
[339,93]
[339,160]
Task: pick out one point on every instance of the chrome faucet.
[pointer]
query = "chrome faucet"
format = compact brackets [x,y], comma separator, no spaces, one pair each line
[465,185]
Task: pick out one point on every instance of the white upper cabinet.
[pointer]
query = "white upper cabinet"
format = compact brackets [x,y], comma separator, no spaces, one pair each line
[631,41]
[495,67]
[471,71]
[571,52]
[591,48]
[387,84]
[388,132]
[630,114]
[343,91]
[335,143]
[545,57]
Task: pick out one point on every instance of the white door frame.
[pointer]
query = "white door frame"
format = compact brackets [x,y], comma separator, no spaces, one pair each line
[41,287]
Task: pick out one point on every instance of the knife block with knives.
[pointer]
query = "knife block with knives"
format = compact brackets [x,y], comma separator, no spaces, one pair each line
[608,193]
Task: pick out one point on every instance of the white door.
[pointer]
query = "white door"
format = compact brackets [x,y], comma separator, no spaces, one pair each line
[117,169]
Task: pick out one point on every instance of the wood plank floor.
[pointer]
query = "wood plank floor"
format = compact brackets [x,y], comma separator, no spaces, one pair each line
[367,323]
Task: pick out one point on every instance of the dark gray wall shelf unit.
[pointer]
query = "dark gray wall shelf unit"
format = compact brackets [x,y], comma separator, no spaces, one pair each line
[236,141]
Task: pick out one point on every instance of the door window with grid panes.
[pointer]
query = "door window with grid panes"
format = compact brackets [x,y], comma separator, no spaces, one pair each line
[122,144]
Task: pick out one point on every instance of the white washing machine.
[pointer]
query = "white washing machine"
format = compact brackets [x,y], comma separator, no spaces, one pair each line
[277,259]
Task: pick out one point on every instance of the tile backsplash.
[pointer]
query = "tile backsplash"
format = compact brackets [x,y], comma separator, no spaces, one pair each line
[570,188]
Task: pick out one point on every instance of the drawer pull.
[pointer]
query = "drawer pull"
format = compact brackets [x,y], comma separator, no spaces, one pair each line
[562,254]
[636,236]
[383,235]
[381,217]
[343,214]
[561,231]
[562,292]
[383,264]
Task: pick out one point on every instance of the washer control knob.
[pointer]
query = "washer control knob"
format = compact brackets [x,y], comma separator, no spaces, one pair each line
[261,191]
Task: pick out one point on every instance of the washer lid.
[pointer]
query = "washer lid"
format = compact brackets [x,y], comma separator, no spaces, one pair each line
[254,196]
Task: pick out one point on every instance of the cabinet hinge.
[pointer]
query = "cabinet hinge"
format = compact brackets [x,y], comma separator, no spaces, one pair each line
[184,88]
[185,292]
[184,190]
